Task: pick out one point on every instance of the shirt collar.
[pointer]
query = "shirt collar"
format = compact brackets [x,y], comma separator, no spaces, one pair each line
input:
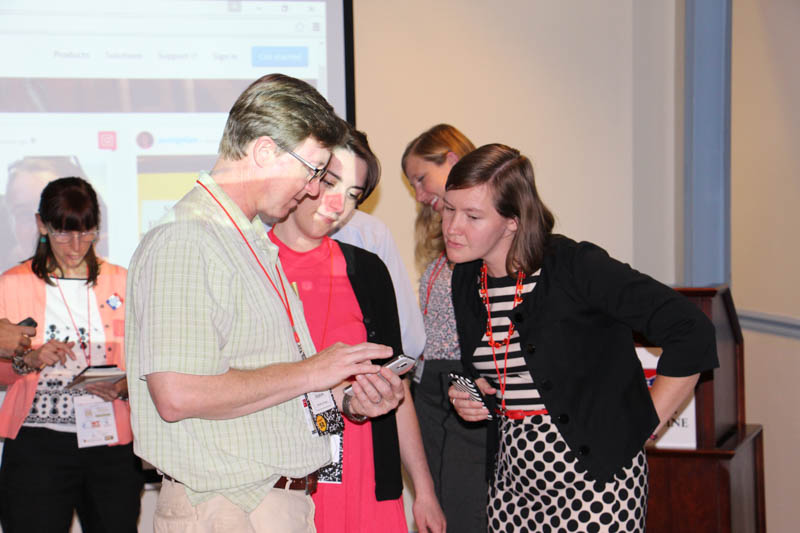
[253,229]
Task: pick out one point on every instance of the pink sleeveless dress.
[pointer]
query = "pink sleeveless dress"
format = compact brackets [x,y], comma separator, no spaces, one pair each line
[333,315]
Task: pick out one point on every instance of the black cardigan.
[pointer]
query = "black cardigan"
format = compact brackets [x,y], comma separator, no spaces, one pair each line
[374,292]
[576,336]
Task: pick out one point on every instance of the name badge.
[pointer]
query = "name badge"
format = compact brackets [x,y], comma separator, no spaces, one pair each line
[332,473]
[95,420]
[418,369]
[323,413]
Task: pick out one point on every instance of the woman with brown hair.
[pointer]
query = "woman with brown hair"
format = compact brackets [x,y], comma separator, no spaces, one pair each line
[546,328]
[348,297]
[456,450]
[67,449]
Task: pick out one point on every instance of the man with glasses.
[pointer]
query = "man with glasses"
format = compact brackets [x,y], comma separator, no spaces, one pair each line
[314,173]
[228,398]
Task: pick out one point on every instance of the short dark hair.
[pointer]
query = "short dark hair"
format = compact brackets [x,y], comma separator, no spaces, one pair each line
[510,177]
[67,204]
[357,143]
[283,108]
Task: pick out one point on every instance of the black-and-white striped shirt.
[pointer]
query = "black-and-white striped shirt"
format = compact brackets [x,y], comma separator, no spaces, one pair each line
[521,392]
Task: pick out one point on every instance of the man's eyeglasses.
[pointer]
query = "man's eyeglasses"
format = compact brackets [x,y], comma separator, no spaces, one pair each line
[315,173]
[63,237]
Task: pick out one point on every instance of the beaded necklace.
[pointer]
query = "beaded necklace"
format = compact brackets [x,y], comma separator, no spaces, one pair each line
[484,291]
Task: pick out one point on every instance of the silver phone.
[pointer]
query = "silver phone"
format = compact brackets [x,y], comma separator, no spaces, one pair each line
[397,364]
[400,363]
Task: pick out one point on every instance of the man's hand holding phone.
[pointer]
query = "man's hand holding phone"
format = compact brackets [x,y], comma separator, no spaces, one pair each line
[398,365]
[373,395]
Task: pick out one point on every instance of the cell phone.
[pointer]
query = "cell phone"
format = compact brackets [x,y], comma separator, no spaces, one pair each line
[397,364]
[465,384]
[28,323]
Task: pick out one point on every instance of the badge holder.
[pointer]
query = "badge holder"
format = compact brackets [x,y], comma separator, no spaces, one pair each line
[322,414]
[332,473]
[95,421]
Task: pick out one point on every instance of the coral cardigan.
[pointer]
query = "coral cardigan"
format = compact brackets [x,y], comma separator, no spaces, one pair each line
[22,295]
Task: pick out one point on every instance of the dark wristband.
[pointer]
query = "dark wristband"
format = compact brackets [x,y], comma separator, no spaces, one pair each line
[348,412]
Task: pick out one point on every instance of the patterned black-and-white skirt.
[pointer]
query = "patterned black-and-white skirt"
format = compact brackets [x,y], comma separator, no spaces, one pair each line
[539,487]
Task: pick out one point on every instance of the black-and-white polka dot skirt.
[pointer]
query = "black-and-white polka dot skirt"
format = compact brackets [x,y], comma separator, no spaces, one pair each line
[539,487]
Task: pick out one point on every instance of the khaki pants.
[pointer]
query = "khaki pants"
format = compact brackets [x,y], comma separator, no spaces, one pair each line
[281,511]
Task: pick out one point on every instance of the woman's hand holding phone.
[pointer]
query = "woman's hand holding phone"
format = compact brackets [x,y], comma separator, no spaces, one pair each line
[15,338]
[465,403]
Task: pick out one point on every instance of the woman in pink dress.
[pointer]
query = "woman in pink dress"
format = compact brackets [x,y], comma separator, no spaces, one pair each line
[348,297]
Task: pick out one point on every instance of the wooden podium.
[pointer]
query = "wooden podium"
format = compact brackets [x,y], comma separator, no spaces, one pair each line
[719,486]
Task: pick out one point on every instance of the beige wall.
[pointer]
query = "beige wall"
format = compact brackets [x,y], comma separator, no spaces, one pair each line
[765,160]
[772,368]
[765,183]
[658,139]
[589,90]
[556,80]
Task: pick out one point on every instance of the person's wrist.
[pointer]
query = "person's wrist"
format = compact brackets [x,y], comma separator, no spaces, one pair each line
[20,365]
[423,490]
[347,410]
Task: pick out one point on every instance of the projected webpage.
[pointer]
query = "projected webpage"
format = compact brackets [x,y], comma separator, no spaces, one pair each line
[134,98]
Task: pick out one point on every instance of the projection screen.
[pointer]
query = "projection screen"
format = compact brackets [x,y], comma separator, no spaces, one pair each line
[133,96]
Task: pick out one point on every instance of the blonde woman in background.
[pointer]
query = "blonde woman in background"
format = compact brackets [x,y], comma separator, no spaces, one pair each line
[455,449]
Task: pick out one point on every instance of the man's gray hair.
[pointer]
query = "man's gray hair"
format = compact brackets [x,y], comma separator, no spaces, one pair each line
[283,108]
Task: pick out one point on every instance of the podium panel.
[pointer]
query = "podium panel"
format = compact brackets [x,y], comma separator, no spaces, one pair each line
[719,490]
[717,487]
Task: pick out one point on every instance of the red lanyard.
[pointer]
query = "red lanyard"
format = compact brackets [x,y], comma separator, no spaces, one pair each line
[86,355]
[284,299]
[435,274]
[484,290]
